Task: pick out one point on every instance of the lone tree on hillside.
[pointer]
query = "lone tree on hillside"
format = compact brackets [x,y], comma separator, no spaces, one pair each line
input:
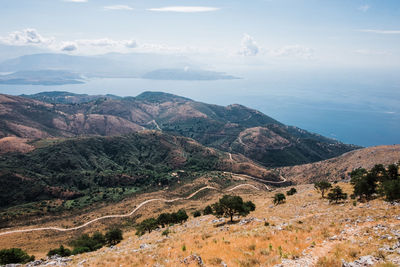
[322,187]
[230,206]
[336,195]
[279,198]
[113,236]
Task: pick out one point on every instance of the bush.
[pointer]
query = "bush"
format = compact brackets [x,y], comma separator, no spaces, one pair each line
[84,241]
[279,198]
[166,232]
[80,250]
[291,192]
[113,237]
[61,251]
[207,210]
[14,255]
[196,214]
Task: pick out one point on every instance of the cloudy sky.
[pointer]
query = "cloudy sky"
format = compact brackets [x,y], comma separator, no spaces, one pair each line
[335,33]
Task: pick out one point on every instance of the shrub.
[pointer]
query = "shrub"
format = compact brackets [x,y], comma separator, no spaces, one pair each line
[113,236]
[207,210]
[279,198]
[196,213]
[84,241]
[61,251]
[80,250]
[166,232]
[14,255]
[291,192]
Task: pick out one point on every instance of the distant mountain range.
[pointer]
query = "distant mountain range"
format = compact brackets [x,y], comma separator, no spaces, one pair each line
[148,66]
[41,77]
[234,128]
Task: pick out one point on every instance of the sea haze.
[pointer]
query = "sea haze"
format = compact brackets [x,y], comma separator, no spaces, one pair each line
[362,108]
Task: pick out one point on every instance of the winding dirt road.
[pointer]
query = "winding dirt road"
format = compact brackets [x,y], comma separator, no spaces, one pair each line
[122,215]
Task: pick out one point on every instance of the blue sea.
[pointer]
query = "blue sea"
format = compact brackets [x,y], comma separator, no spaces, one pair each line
[361,108]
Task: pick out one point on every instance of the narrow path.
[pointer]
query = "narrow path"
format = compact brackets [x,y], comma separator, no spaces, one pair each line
[121,215]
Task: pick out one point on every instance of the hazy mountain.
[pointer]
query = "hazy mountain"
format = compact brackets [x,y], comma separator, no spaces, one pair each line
[234,128]
[42,77]
[13,51]
[187,74]
[150,66]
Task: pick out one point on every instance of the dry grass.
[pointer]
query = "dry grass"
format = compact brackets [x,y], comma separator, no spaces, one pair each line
[305,224]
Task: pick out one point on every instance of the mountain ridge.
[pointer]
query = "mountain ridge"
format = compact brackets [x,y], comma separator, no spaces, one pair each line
[234,128]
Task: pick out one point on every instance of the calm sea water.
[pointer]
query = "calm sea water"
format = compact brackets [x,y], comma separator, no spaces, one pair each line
[359,108]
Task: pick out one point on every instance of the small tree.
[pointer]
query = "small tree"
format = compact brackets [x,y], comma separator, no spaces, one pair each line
[207,210]
[279,198]
[113,236]
[365,183]
[336,195]
[322,187]
[291,192]
[230,206]
[164,219]
[182,216]
[391,190]
[149,224]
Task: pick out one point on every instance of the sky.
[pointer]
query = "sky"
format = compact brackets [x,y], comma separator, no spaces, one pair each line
[282,33]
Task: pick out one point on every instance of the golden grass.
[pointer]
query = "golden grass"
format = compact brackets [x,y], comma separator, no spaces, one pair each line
[304,224]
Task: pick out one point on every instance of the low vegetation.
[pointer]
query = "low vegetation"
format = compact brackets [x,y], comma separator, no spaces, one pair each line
[86,243]
[291,192]
[164,219]
[14,256]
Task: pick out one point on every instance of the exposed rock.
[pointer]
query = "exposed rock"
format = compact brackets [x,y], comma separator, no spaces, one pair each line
[362,261]
[193,258]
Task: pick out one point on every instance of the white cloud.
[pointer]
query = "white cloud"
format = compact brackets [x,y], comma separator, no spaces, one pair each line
[184,9]
[26,37]
[131,44]
[293,51]
[364,8]
[118,7]
[76,1]
[249,46]
[381,31]
[69,47]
